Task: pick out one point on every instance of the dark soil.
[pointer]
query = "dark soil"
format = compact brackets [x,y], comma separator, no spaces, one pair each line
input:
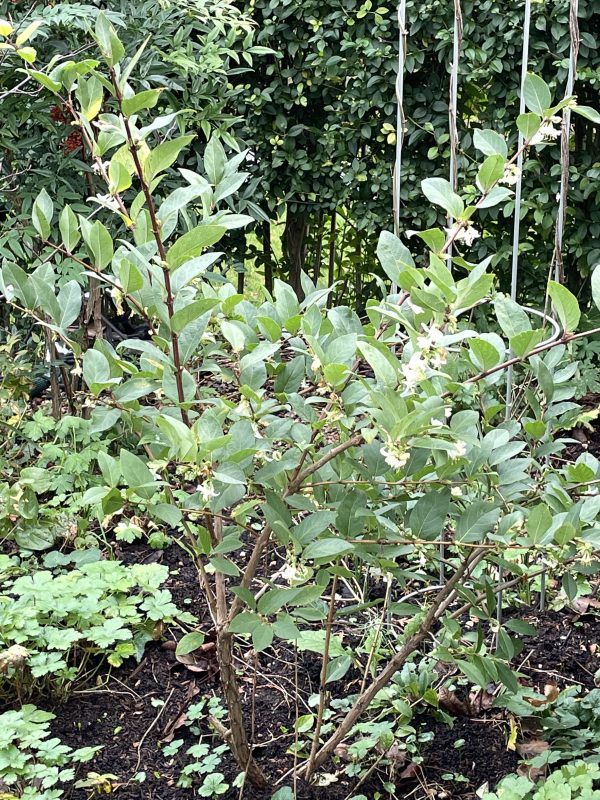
[142,707]
[565,649]
[465,756]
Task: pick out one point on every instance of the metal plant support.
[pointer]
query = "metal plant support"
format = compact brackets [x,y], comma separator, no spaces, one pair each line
[557,266]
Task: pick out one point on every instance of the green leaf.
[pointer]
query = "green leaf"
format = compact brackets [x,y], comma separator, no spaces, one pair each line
[164,155]
[428,517]
[490,143]
[327,549]
[587,113]
[477,522]
[224,565]
[566,306]
[262,636]
[393,256]
[528,125]
[439,192]
[537,94]
[108,41]
[524,342]
[137,475]
[69,301]
[45,81]
[538,522]
[191,312]
[119,177]
[490,172]
[569,585]
[100,244]
[473,673]
[28,54]
[41,214]
[188,643]
[130,276]
[96,369]
[511,317]
[69,229]
[90,94]
[384,365]
[141,100]
[191,244]
[337,668]
[26,34]
[484,354]
[214,160]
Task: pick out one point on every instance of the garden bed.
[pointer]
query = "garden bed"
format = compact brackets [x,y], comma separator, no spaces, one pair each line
[141,709]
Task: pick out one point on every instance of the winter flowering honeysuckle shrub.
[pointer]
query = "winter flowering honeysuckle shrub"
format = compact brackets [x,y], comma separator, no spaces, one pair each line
[347,444]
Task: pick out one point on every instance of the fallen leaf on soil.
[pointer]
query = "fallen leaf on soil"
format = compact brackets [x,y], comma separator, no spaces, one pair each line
[204,659]
[583,604]
[341,751]
[551,691]
[532,748]
[408,773]
[450,702]
[532,773]
[396,755]
[480,701]
[180,717]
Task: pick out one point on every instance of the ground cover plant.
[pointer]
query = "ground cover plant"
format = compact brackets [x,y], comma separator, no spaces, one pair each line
[347,497]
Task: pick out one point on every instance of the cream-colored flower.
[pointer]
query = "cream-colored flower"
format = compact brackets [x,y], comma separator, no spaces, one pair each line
[458,451]
[456,491]
[547,132]
[440,357]
[395,455]
[431,339]
[511,175]
[463,232]
[207,490]
[414,370]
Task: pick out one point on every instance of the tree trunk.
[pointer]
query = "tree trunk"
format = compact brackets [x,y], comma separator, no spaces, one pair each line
[331,265]
[296,228]
[318,249]
[268,256]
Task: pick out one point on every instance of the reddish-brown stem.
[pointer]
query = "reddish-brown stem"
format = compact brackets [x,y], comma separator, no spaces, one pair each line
[160,247]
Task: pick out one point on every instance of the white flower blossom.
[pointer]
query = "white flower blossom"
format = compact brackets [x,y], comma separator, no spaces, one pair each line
[463,232]
[547,132]
[395,455]
[108,201]
[432,338]
[414,371]
[207,490]
[436,423]
[456,491]
[458,451]
[99,166]
[439,358]
[316,363]
[447,412]
[511,175]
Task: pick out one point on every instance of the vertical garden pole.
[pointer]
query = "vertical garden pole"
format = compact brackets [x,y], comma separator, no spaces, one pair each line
[514,277]
[399,118]
[557,258]
[453,107]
